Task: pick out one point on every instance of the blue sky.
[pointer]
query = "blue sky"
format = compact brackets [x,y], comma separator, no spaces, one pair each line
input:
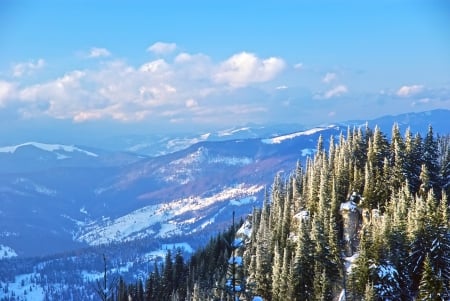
[177,65]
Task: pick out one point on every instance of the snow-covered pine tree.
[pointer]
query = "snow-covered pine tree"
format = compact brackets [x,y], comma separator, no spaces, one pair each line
[431,160]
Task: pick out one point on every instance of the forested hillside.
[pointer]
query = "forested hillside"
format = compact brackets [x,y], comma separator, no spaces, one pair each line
[366,219]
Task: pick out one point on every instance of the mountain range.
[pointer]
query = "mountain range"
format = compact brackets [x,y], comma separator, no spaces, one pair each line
[59,198]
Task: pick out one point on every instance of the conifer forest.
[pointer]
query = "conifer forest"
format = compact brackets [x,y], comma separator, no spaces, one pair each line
[366,218]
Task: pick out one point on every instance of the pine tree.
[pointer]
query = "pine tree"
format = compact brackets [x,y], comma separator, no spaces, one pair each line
[413,160]
[444,163]
[285,271]
[430,159]
[168,275]
[301,278]
[360,274]
[179,284]
[139,291]
[398,171]
[430,287]
[276,273]
[263,276]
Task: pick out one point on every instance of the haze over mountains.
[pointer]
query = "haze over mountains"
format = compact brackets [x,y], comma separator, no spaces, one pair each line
[58,197]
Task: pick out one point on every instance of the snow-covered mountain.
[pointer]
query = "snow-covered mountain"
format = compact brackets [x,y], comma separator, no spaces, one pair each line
[86,201]
[36,156]
[190,191]
[58,197]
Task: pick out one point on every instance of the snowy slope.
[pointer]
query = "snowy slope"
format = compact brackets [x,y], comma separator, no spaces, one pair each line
[280,139]
[176,217]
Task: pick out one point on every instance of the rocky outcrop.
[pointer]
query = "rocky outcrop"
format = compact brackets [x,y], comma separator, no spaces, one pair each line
[352,218]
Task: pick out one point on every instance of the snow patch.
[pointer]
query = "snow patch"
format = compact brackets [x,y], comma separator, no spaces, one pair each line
[244,201]
[348,206]
[245,229]
[302,215]
[280,139]
[36,187]
[231,132]
[349,262]
[7,252]
[231,160]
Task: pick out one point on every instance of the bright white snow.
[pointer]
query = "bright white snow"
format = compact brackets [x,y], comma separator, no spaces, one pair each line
[245,229]
[280,139]
[167,215]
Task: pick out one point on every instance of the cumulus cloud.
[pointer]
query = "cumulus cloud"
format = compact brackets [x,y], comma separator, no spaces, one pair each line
[96,52]
[336,91]
[155,90]
[27,68]
[244,68]
[329,77]
[162,48]
[407,91]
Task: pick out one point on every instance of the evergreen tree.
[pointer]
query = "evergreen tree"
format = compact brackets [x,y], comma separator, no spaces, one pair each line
[276,273]
[430,159]
[398,170]
[444,162]
[168,275]
[302,272]
[431,287]
[179,284]
[263,265]
[284,291]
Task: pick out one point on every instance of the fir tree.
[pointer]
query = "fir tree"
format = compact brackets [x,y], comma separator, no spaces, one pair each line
[431,287]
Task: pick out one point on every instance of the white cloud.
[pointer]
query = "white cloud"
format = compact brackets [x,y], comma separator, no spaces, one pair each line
[27,68]
[162,48]
[7,89]
[329,77]
[244,68]
[282,87]
[298,66]
[336,91]
[191,103]
[406,91]
[114,89]
[98,52]
[422,101]
[155,66]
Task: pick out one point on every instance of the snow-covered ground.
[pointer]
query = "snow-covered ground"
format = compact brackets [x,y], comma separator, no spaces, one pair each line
[7,252]
[23,288]
[167,217]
